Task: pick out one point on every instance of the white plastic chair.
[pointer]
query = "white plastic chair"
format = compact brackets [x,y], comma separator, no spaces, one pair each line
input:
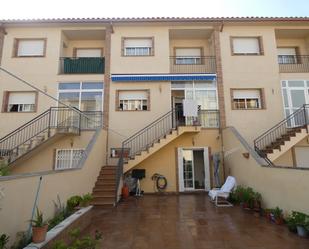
[217,194]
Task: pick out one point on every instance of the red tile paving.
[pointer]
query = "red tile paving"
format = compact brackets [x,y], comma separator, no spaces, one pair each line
[185,222]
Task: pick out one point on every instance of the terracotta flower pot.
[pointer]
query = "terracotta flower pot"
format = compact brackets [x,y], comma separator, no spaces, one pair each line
[39,234]
[279,221]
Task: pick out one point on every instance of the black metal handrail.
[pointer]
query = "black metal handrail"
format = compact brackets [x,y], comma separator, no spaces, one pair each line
[299,118]
[193,64]
[54,117]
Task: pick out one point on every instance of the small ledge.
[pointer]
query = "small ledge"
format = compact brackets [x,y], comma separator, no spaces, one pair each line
[51,234]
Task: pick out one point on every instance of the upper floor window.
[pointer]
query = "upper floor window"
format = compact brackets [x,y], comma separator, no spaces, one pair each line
[246,98]
[88,52]
[287,55]
[188,56]
[133,100]
[246,46]
[138,46]
[29,47]
[19,101]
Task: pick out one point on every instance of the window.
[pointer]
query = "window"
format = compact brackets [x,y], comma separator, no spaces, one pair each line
[246,98]
[86,96]
[88,52]
[287,55]
[19,101]
[188,56]
[30,47]
[68,158]
[135,100]
[138,46]
[246,45]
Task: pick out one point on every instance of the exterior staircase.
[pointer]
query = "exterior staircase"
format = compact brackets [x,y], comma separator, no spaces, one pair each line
[157,145]
[279,139]
[25,139]
[104,191]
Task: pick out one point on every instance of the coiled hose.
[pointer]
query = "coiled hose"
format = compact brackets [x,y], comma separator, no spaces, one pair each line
[160,182]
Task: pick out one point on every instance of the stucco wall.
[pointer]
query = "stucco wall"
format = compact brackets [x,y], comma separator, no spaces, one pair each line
[43,158]
[165,161]
[19,192]
[41,71]
[284,187]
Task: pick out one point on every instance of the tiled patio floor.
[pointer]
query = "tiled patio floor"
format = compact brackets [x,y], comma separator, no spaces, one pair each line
[188,221]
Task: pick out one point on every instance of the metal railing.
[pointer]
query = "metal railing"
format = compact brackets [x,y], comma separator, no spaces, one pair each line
[158,129]
[293,63]
[92,120]
[82,65]
[193,64]
[63,118]
[297,119]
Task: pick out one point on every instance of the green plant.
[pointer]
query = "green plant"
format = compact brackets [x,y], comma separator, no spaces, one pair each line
[86,199]
[61,213]
[38,221]
[4,169]
[248,197]
[86,242]
[21,241]
[277,213]
[4,239]
[73,202]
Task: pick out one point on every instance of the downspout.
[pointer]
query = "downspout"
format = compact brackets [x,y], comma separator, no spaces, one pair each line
[217,47]
[2,34]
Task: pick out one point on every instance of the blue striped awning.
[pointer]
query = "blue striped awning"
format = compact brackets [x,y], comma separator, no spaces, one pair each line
[161,77]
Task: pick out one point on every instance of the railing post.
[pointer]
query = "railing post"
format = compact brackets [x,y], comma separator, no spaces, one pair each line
[306,119]
[49,118]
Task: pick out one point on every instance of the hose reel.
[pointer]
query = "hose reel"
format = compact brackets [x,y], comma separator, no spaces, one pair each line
[160,182]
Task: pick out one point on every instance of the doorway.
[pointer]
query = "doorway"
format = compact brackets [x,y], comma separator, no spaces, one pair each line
[193,170]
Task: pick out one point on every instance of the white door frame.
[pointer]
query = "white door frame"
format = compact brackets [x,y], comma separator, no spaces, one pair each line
[206,168]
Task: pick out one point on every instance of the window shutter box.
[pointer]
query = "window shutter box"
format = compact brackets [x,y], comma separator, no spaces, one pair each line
[21,98]
[138,42]
[133,95]
[243,94]
[193,52]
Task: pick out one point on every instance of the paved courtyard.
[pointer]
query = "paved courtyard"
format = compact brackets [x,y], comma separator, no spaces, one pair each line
[188,221]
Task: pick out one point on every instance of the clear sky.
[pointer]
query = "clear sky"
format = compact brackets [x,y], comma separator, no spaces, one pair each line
[17,9]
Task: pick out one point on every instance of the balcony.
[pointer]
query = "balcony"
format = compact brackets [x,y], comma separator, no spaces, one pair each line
[293,63]
[82,65]
[192,64]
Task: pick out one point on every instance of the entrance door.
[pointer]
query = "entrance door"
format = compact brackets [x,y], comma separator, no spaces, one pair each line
[193,169]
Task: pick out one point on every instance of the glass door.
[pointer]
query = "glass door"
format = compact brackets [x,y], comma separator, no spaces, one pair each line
[188,169]
[295,95]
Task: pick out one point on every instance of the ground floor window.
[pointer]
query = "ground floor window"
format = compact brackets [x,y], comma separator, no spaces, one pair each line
[68,158]
[133,100]
[246,98]
[19,101]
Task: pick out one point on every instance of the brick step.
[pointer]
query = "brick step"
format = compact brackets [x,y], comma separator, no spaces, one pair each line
[105,184]
[100,188]
[100,180]
[106,177]
[109,199]
[267,151]
[103,204]
[107,192]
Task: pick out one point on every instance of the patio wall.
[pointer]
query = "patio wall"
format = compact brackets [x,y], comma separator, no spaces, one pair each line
[19,190]
[280,186]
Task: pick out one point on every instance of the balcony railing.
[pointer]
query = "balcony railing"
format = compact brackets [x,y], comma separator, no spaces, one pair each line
[82,65]
[193,64]
[293,63]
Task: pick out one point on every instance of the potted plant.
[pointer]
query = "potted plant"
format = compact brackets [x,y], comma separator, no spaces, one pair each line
[277,216]
[85,200]
[247,198]
[73,202]
[291,222]
[39,227]
[301,221]
[4,240]
[257,198]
